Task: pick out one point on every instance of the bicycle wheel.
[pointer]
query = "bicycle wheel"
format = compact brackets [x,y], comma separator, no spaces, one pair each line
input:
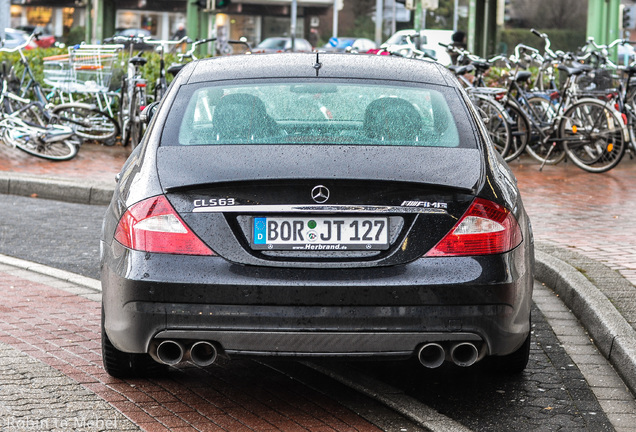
[520,131]
[594,135]
[33,113]
[133,124]
[26,140]
[543,112]
[630,111]
[88,123]
[496,120]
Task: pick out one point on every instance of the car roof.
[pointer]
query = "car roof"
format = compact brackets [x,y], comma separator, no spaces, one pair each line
[12,35]
[133,31]
[14,31]
[332,65]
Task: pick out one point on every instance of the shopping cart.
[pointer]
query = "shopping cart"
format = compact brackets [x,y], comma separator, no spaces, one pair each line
[57,71]
[87,71]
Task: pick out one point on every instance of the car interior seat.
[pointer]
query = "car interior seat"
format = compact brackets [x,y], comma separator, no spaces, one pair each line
[243,116]
[392,119]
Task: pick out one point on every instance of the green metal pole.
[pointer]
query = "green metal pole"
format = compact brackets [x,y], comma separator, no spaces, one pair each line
[197,25]
[99,21]
[603,34]
[88,31]
[603,21]
[594,14]
[109,18]
[486,28]
[613,26]
[472,24]
[417,20]
[192,20]
[204,18]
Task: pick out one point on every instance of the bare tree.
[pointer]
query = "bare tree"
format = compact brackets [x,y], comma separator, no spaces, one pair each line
[563,14]
[363,7]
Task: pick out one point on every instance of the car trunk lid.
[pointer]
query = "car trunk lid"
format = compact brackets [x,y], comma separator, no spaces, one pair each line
[363,207]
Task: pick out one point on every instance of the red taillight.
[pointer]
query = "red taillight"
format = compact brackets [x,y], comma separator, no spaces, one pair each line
[153,225]
[486,228]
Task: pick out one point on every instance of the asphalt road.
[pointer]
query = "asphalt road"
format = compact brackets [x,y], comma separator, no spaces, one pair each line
[551,395]
[60,235]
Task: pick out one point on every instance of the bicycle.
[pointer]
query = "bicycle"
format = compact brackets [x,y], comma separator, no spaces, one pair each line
[85,119]
[592,133]
[52,142]
[506,126]
[625,94]
[133,95]
[161,85]
[190,54]
[589,131]
[580,102]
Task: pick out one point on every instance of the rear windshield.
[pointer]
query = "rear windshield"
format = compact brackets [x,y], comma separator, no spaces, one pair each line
[317,113]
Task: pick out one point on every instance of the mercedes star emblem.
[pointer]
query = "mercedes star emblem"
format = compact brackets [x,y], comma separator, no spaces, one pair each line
[320,194]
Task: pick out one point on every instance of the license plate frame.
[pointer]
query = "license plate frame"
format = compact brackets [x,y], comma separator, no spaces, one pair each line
[320,233]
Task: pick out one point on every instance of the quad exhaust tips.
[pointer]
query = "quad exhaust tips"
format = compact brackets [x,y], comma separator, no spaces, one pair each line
[170,352]
[204,353]
[464,354]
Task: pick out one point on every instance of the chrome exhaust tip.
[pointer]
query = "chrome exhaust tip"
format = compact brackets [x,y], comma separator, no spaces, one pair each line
[464,354]
[203,353]
[431,355]
[170,352]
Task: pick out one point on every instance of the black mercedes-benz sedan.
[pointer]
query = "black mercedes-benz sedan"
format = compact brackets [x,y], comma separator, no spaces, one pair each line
[315,205]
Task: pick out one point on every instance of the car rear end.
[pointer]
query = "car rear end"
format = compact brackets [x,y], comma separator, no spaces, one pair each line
[294,216]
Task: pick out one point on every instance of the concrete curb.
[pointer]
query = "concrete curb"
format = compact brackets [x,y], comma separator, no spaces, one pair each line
[65,276]
[68,190]
[392,398]
[612,334]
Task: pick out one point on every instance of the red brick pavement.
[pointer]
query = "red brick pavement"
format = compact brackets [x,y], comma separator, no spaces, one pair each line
[93,162]
[63,331]
[592,213]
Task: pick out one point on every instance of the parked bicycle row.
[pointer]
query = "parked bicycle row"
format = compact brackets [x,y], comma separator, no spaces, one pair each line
[586,115]
[80,98]
[28,120]
[575,106]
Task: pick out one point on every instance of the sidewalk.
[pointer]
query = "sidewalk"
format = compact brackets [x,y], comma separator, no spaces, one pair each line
[586,249]
[586,239]
[89,178]
[53,379]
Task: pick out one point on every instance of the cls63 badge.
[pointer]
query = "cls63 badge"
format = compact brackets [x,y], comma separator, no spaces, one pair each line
[214,202]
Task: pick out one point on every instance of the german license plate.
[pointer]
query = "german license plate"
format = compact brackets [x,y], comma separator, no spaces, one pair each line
[320,233]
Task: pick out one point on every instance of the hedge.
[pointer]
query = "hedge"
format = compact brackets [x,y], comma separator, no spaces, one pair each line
[150,70]
[564,40]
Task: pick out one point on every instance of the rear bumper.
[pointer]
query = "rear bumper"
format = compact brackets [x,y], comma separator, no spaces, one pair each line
[311,312]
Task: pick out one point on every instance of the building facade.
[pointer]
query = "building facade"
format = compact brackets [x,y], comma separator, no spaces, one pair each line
[252,19]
